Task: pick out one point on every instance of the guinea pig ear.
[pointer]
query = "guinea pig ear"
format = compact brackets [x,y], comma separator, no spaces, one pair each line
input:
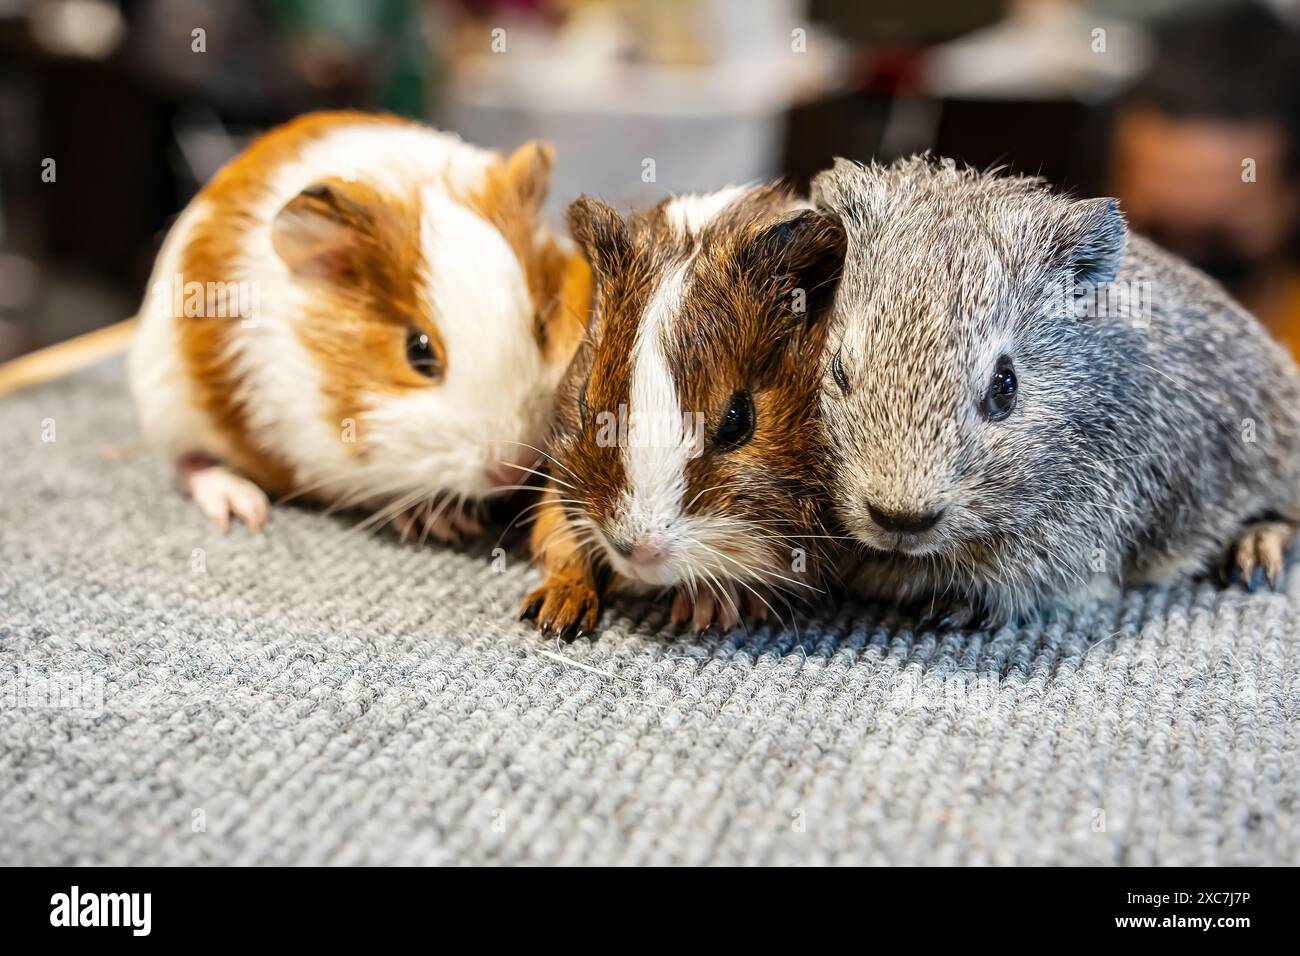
[318,231]
[528,171]
[853,193]
[805,253]
[601,233]
[833,188]
[1090,240]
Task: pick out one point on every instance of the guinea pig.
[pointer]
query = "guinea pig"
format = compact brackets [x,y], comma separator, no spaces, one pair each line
[359,311]
[1031,408]
[686,451]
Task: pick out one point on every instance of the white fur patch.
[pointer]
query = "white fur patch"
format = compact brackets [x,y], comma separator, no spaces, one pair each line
[689,214]
[655,464]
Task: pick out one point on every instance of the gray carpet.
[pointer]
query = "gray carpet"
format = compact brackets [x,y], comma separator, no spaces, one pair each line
[306,695]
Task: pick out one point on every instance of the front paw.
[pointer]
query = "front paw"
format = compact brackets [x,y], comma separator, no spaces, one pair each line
[221,495]
[711,607]
[1261,547]
[959,616]
[957,613]
[449,524]
[565,606]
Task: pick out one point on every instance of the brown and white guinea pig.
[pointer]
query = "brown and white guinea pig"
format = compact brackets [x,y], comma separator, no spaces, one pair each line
[687,454]
[360,311]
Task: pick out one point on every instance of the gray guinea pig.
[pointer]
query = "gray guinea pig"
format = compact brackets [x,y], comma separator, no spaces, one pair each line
[1031,408]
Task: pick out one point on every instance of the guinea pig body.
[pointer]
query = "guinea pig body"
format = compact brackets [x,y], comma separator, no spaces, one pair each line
[686,452]
[358,310]
[1031,408]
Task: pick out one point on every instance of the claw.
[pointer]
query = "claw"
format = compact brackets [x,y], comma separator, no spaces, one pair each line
[1223,570]
[702,619]
[1260,553]
[957,620]
[1272,563]
[954,617]
[1246,563]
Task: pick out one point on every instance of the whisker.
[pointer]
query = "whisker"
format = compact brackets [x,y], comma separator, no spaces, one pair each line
[542,474]
[547,455]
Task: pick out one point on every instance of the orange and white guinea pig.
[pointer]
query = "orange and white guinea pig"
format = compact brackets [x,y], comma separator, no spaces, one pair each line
[359,311]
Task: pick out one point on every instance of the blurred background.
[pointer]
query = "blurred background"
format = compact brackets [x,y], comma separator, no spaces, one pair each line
[114,112]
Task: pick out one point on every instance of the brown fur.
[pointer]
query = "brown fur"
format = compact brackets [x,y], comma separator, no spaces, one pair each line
[741,333]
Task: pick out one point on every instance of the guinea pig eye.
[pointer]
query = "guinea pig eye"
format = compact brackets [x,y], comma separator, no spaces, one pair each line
[1001,396]
[737,422]
[420,353]
[838,371]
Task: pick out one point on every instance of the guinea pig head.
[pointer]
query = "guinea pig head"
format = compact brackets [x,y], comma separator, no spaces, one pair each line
[688,448]
[433,311]
[960,386]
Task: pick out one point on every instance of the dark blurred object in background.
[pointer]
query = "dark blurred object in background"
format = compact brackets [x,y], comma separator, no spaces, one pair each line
[116,111]
[138,102]
[1206,155]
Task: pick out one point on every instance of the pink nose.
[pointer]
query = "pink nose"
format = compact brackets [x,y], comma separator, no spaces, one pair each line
[502,473]
[648,555]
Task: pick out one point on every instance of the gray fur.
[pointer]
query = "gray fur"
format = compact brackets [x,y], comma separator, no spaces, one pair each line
[1125,458]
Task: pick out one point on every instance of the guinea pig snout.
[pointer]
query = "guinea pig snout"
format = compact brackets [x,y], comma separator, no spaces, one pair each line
[645,550]
[643,556]
[648,554]
[904,522]
[499,474]
[508,465]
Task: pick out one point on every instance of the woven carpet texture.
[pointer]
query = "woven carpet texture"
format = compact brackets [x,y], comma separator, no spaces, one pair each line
[314,694]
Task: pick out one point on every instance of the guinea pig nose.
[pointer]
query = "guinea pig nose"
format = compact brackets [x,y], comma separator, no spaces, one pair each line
[502,473]
[510,465]
[904,522]
[648,555]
